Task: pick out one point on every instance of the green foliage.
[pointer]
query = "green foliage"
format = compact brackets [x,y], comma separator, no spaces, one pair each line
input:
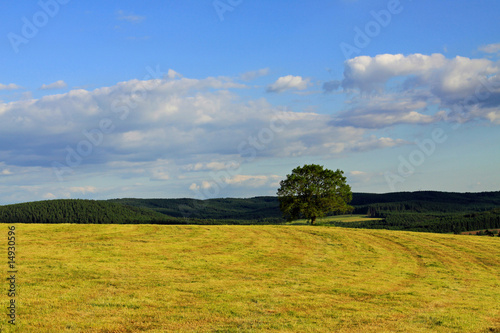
[426,211]
[432,222]
[429,211]
[425,202]
[312,191]
[262,210]
[256,209]
[78,211]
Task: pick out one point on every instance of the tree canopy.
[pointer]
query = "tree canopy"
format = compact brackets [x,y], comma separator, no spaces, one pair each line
[312,191]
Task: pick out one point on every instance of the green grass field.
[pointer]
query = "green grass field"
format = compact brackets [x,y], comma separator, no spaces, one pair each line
[145,278]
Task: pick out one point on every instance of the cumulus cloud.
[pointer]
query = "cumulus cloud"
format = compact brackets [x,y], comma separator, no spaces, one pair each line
[398,89]
[10,86]
[288,82]
[387,110]
[147,120]
[447,76]
[55,85]
[171,74]
[368,74]
[173,130]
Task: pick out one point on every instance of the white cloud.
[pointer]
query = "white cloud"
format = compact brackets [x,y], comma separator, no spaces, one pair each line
[159,170]
[387,110]
[397,89]
[178,131]
[457,75]
[494,116]
[83,189]
[10,86]
[55,85]
[132,18]
[49,195]
[171,74]
[378,143]
[249,180]
[252,75]
[212,166]
[490,48]
[360,178]
[372,73]
[159,174]
[288,82]
[157,118]
[210,187]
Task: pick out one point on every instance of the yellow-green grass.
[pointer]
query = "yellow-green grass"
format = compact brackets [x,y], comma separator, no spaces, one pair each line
[152,278]
[337,218]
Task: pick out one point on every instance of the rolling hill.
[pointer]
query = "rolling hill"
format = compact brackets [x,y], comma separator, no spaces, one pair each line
[188,278]
[429,211]
[78,211]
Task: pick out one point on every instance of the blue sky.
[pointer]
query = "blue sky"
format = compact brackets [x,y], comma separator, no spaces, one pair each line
[201,99]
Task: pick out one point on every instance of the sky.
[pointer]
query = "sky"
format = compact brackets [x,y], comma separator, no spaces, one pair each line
[203,99]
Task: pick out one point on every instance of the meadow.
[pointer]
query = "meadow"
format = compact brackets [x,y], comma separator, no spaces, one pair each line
[191,278]
[327,220]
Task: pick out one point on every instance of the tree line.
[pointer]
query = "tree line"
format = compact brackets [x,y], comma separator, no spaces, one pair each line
[427,211]
[432,222]
[77,211]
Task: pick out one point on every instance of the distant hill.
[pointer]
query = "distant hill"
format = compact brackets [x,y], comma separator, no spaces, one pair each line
[426,201]
[78,211]
[418,211]
[258,208]
[268,207]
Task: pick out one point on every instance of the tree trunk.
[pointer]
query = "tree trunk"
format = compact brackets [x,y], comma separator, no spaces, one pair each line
[313,219]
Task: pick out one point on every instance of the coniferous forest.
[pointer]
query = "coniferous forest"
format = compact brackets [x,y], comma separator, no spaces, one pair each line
[426,211]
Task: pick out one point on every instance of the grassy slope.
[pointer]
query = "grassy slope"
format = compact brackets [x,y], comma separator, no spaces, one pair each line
[134,278]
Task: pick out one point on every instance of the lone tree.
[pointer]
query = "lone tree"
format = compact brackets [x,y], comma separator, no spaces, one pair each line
[312,191]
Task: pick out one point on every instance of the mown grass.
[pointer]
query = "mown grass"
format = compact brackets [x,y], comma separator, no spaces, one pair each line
[145,278]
